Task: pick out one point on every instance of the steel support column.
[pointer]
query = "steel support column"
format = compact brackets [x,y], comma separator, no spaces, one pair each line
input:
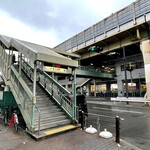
[125,72]
[34,93]
[20,64]
[74,94]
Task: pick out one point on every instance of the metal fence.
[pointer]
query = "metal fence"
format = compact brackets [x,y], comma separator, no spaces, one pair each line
[101,122]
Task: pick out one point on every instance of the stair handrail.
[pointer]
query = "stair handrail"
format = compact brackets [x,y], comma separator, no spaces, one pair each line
[61,92]
[22,82]
[27,90]
[57,84]
[54,81]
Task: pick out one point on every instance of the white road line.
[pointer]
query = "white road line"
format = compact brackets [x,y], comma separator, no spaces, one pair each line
[119,110]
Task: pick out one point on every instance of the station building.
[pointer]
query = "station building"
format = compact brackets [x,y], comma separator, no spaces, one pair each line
[119,45]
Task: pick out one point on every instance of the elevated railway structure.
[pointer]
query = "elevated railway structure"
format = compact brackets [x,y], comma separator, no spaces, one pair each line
[29,70]
[119,39]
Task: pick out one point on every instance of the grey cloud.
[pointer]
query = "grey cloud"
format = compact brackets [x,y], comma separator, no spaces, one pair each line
[32,12]
[65,17]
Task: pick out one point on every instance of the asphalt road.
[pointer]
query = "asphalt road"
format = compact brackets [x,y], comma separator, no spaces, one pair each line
[135,124]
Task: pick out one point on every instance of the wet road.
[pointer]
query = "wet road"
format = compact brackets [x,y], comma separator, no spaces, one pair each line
[135,127]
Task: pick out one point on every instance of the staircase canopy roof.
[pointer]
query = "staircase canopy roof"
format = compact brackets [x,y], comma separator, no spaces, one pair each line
[35,52]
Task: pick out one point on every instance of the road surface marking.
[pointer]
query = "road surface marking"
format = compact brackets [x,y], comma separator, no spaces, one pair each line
[127,111]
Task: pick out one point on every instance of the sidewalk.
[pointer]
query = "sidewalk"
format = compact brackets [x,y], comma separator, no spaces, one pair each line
[72,140]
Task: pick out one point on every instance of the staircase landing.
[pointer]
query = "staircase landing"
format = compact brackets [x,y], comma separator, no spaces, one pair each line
[54,131]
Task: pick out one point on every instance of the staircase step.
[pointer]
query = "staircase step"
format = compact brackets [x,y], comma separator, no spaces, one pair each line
[52,119]
[49,132]
[60,129]
[41,93]
[49,113]
[53,124]
[42,98]
[48,109]
[43,104]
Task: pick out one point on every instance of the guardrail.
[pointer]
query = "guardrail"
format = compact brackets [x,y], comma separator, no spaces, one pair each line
[130,99]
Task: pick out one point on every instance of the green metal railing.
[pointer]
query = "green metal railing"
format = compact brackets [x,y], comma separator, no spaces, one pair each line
[57,92]
[21,92]
[96,69]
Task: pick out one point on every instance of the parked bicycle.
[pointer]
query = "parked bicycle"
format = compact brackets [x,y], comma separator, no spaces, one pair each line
[13,119]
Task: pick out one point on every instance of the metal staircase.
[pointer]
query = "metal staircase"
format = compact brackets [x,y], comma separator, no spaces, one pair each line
[50,114]
[52,108]
[44,104]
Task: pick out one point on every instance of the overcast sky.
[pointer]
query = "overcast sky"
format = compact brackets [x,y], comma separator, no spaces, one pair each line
[50,22]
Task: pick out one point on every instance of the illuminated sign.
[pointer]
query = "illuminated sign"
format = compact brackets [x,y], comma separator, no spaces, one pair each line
[54,69]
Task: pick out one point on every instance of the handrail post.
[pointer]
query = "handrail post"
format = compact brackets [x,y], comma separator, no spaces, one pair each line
[39,122]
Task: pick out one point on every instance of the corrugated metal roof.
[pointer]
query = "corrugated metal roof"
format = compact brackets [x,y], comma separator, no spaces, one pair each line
[37,52]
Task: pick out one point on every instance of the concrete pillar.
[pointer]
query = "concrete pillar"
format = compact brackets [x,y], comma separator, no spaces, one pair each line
[145,47]
[119,80]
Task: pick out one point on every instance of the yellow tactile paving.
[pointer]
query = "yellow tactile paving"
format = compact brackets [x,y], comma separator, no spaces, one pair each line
[54,131]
